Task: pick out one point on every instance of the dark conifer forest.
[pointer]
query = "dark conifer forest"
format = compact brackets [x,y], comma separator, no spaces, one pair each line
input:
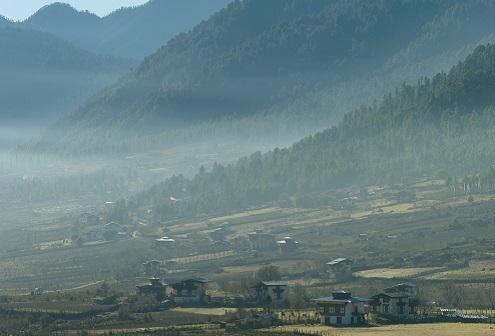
[441,124]
[298,70]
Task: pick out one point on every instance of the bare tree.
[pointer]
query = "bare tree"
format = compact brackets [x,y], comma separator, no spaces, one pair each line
[297,297]
[453,295]
[268,273]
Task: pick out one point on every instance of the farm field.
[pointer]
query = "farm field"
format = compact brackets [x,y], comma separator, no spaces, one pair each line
[476,270]
[439,329]
[433,240]
[205,311]
[370,237]
[390,273]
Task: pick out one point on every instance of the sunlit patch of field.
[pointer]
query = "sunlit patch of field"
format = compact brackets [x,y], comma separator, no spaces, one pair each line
[389,273]
[437,329]
[205,311]
[285,266]
[389,209]
[429,183]
[48,307]
[53,244]
[477,311]
[244,214]
[399,208]
[202,257]
[476,269]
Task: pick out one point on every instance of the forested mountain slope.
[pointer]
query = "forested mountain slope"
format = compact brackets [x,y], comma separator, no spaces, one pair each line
[132,32]
[445,123]
[43,76]
[278,67]
[4,22]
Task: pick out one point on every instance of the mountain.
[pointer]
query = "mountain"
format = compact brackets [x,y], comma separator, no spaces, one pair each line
[132,32]
[444,124]
[4,22]
[282,67]
[44,76]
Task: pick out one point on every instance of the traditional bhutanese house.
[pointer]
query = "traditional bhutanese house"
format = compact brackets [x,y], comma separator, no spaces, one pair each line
[349,203]
[340,268]
[190,291]
[122,235]
[151,267]
[154,288]
[38,291]
[398,301]
[219,234]
[261,241]
[287,245]
[342,309]
[105,301]
[272,292]
[165,242]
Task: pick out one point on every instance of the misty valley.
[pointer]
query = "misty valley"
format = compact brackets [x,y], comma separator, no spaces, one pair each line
[248,167]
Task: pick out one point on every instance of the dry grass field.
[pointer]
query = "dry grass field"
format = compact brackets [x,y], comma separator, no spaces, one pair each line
[202,257]
[205,311]
[439,329]
[476,270]
[390,273]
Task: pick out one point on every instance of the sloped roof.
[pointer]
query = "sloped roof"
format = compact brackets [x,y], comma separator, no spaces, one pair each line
[330,299]
[338,261]
[275,283]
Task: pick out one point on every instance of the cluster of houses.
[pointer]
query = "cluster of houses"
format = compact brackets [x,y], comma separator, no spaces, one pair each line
[339,309]
[343,309]
[193,291]
[260,241]
[188,292]
[96,231]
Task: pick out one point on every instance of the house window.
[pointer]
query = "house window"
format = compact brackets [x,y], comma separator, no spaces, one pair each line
[401,309]
[385,308]
[331,309]
[339,320]
[342,310]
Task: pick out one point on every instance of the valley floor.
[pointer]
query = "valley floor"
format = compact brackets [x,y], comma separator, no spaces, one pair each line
[440,329]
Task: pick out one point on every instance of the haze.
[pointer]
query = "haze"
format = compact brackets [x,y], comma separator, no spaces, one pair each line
[248,167]
[19,10]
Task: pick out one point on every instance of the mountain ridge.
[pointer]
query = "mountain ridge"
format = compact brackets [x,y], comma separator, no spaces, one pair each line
[382,143]
[55,74]
[190,80]
[128,32]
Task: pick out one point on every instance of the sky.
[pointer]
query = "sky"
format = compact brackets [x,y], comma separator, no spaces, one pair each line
[21,9]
